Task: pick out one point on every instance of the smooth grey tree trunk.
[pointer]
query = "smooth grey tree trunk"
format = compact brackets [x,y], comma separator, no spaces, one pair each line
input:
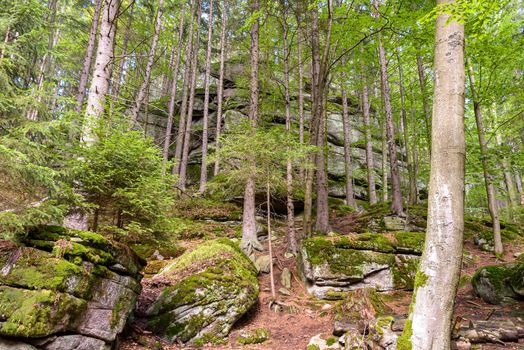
[430,320]
[117,85]
[350,196]
[142,92]
[425,101]
[205,122]
[84,75]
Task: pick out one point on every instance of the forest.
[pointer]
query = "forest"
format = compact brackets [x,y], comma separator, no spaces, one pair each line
[261,174]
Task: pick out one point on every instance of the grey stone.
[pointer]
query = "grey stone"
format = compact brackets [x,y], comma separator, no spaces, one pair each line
[284,291]
[76,342]
[263,263]
[285,278]
[14,345]
[395,223]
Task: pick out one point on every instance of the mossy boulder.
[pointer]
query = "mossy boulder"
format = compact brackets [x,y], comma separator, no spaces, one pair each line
[498,284]
[55,281]
[332,265]
[204,292]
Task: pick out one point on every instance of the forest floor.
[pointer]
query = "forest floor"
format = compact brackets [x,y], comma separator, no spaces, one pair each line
[304,316]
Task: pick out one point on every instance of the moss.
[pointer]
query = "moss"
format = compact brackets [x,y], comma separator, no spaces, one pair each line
[256,336]
[312,347]
[331,341]
[420,280]
[413,241]
[497,275]
[32,313]
[404,341]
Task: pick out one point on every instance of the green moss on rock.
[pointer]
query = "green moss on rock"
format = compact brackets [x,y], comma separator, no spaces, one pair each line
[209,289]
[255,336]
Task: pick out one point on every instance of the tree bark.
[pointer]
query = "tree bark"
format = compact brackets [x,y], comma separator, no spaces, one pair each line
[189,118]
[173,91]
[508,180]
[300,97]
[429,323]
[396,204]
[102,70]
[350,196]
[149,67]
[118,79]
[269,241]
[291,234]
[185,87]
[484,155]
[249,233]
[220,88]
[84,76]
[203,169]
[412,194]
[372,194]
[425,102]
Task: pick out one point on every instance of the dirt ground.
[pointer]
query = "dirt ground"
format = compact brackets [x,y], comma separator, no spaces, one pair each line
[304,317]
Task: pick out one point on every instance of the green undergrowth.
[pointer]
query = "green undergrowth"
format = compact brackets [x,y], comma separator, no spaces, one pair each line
[197,208]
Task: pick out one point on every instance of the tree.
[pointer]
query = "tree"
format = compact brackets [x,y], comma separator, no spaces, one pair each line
[84,75]
[203,166]
[350,197]
[429,323]
[151,59]
[249,233]
[102,71]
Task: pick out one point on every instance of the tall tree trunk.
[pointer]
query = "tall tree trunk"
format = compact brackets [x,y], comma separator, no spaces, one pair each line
[269,241]
[6,41]
[414,149]
[291,233]
[484,155]
[384,163]
[350,196]
[32,113]
[249,233]
[189,117]
[142,91]
[300,96]
[372,194]
[429,324]
[412,194]
[220,88]
[203,169]
[84,76]
[319,77]
[508,181]
[186,86]
[102,70]
[116,86]
[396,204]
[173,91]
[520,190]
[425,102]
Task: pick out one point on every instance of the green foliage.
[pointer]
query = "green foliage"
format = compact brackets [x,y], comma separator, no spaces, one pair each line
[122,176]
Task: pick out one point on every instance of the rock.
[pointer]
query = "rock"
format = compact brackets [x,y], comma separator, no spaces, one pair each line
[289,255]
[202,294]
[255,336]
[326,307]
[14,345]
[263,263]
[499,283]
[285,278]
[394,223]
[340,264]
[319,343]
[284,291]
[65,282]
[157,255]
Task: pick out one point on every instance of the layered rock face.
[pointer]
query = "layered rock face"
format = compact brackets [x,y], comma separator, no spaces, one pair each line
[201,294]
[334,265]
[65,289]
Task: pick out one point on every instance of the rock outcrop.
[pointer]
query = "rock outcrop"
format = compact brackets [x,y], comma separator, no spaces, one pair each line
[201,294]
[66,289]
[498,284]
[332,266]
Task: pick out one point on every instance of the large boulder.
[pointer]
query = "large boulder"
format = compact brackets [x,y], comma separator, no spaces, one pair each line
[57,281]
[498,284]
[201,294]
[332,266]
